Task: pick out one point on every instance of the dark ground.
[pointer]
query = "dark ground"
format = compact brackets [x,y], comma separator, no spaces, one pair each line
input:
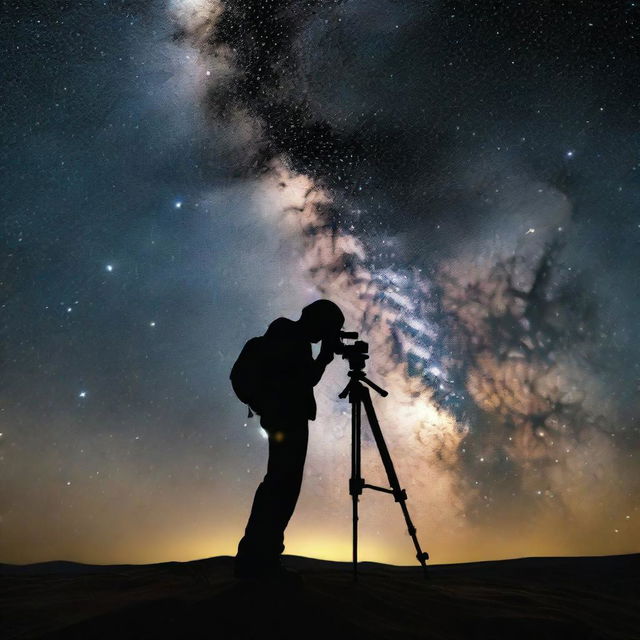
[529,598]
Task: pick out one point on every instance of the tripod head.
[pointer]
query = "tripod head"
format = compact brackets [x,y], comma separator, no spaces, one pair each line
[355,354]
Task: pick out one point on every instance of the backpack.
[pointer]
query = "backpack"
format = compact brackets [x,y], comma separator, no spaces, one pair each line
[247,374]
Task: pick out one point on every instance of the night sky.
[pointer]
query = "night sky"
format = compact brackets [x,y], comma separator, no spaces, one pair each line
[462,178]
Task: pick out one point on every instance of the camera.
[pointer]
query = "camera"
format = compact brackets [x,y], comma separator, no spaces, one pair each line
[355,353]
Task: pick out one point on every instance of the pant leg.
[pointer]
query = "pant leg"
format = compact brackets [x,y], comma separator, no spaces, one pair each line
[277,494]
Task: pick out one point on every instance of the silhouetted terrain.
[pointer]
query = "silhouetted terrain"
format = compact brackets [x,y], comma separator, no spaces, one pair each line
[537,598]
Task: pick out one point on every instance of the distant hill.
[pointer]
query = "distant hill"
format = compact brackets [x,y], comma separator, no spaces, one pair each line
[539,598]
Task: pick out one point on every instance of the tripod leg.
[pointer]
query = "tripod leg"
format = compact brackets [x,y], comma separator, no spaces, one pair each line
[399,494]
[356,482]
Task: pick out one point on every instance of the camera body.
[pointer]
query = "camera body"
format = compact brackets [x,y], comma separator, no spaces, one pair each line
[355,353]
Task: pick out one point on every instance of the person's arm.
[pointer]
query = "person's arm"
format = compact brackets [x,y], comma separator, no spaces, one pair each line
[320,363]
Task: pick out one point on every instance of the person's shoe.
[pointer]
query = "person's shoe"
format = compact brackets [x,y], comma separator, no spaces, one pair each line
[247,570]
[284,577]
[273,574]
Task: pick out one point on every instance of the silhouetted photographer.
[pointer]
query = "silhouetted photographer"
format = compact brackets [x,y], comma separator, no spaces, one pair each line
[275,375]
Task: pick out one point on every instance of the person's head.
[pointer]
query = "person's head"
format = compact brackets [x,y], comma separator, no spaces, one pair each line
[321,319]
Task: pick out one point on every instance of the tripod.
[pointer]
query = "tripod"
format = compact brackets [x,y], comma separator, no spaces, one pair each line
[360,395]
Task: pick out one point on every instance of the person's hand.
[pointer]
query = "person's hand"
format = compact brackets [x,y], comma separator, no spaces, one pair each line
[327,349]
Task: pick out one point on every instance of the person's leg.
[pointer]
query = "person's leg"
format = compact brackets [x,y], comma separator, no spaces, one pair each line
[276,497]
[286,467]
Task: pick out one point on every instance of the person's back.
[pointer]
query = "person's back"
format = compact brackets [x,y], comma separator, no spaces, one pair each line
[286,405]
[289,378]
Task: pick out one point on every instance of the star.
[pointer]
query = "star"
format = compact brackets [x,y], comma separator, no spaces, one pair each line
[82,394]
[109,268]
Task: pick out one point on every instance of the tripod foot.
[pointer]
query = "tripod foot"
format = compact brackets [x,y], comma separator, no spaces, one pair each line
[423,556]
